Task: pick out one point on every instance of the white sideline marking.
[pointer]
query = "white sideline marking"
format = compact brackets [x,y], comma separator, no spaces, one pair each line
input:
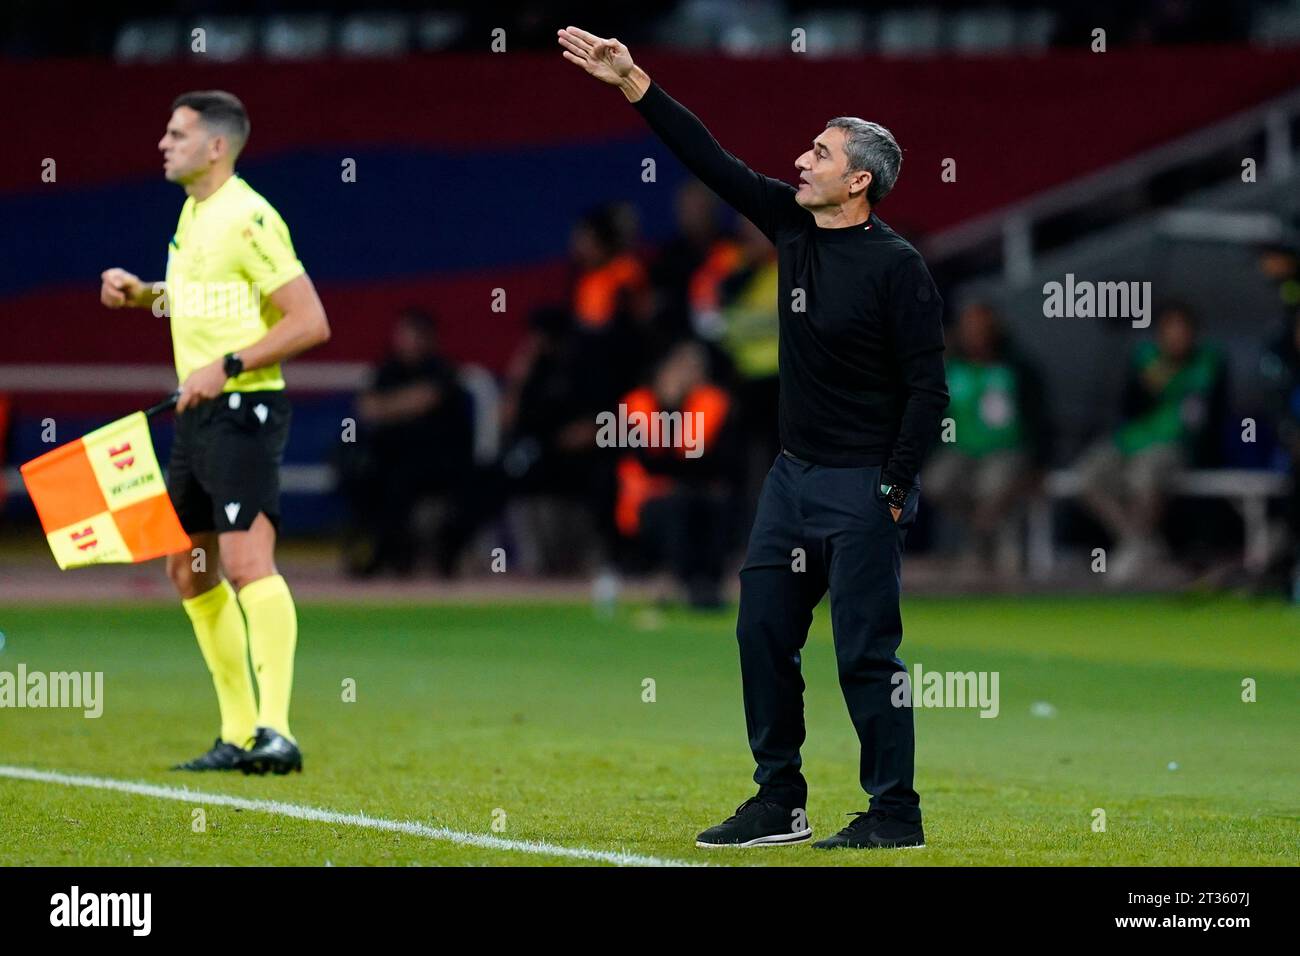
[299,812]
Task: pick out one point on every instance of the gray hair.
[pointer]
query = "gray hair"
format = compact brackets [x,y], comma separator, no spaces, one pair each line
[873,148]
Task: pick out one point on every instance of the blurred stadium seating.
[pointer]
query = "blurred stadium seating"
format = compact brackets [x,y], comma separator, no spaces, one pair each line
[471,174]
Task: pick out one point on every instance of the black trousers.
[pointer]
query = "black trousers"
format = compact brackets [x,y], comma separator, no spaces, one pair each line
[818,528]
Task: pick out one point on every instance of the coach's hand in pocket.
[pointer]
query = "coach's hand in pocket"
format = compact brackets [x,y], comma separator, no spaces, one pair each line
[202,385]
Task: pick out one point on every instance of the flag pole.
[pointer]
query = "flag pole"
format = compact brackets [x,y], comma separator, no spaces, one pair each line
[167,404]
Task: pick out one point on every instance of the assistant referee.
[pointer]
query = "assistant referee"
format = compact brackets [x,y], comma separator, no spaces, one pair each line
[240,303]
[862,392]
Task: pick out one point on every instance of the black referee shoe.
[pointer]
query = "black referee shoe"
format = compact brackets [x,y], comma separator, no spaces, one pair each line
[758,822]
[222,756]
[270,751]
[874,830]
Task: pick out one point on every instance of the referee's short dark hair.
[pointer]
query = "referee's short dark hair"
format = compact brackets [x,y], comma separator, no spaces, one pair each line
[873,148]
[219,111]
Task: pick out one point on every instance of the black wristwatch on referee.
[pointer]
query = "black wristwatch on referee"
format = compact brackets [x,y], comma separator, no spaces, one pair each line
[232,364]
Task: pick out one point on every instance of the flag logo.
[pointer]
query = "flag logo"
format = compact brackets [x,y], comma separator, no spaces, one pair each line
[121,457]
[84,539]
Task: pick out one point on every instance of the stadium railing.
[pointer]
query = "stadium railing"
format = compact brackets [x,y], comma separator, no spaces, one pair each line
[1249,491]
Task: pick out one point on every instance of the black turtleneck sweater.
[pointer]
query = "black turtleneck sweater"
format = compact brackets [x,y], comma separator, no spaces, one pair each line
[861,362]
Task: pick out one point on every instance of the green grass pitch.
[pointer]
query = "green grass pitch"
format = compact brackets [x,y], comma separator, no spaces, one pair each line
[532,717]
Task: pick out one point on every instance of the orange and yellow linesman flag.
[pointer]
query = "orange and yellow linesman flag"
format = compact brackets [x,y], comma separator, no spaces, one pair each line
[102,498]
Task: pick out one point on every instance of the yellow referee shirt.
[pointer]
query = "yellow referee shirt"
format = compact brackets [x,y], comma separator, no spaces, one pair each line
[230,252]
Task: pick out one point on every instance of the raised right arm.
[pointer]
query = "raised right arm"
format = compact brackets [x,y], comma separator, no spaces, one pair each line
[758,198]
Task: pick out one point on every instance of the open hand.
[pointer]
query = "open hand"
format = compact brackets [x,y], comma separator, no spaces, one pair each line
[607,60]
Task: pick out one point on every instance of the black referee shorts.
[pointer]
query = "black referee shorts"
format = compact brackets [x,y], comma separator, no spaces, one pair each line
[225,462]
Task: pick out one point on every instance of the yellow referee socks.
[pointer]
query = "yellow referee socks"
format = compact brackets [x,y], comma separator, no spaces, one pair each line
[220,629]
[272,637]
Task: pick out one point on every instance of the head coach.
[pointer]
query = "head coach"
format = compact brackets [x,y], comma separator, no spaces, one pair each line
[862,392]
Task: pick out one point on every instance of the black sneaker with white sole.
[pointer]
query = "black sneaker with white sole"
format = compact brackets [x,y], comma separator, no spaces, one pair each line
[270,751]
[758,822]
[875,830]
[222,756]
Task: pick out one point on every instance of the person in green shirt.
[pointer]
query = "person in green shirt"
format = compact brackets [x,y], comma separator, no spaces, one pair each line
[996,440]
[1171,411]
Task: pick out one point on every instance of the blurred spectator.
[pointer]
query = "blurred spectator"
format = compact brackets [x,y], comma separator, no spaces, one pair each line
[674,501]
[698,235]
[1172,412]
[561,487]
[552,395]
[1000,431]
[609,277]
[1280,264]
[414,439]
[733,299]
[611,300]
[1280,370]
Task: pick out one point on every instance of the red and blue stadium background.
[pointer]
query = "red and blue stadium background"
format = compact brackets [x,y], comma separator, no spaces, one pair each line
[471,170]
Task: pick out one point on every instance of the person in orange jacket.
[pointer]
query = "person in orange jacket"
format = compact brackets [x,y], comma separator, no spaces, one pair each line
[677,483]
